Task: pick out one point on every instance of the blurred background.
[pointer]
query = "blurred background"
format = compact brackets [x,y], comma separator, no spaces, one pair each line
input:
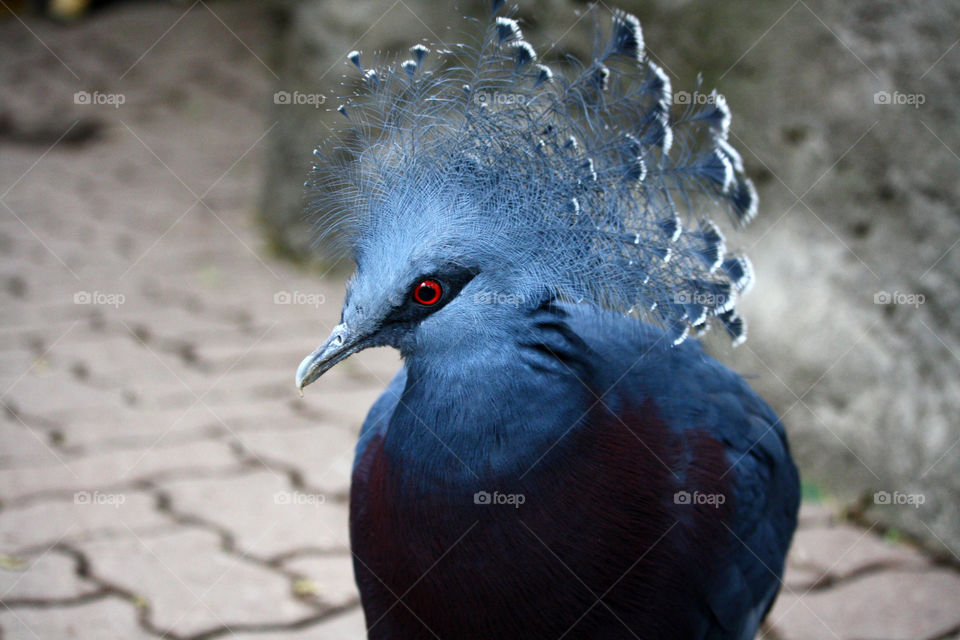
[159,476]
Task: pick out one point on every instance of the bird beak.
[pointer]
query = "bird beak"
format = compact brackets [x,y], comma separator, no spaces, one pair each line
[341,343]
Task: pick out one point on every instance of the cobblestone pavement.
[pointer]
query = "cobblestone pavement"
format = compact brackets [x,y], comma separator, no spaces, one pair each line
[159,475]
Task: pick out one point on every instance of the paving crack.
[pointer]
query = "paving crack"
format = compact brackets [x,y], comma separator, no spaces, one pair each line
[51,603]
[827,581]
[307,552]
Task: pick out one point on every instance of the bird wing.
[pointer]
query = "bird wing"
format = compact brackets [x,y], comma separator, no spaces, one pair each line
[767,498]
[693,392]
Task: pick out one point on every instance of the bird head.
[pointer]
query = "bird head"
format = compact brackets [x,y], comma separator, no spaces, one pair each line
[430,269]
[474,182]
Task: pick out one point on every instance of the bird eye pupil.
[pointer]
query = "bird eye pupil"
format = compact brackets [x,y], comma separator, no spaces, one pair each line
[427,292]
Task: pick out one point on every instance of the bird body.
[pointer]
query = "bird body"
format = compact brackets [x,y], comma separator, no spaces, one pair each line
[599,438]
[555,459]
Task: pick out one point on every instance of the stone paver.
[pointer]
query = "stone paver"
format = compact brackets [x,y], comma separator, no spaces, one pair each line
[191,585]
[265,514]
[322,578]
[43,524]
[801,579]
[341,627]
[841,551]
[158,471]
[24,444]
[894,605]
[90,473]
[323,452]
[113,619]
[46,576]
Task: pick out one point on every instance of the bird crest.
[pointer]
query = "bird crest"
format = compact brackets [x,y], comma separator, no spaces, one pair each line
[579,181]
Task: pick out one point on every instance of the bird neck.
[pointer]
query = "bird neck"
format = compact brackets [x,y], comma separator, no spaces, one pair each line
[493,403]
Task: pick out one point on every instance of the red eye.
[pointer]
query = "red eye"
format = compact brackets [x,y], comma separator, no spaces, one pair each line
[428,292]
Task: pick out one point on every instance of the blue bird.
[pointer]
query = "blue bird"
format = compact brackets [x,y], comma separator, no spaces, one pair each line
[556,458]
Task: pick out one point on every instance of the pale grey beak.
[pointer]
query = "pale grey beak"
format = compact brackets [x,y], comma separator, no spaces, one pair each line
[341,343]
